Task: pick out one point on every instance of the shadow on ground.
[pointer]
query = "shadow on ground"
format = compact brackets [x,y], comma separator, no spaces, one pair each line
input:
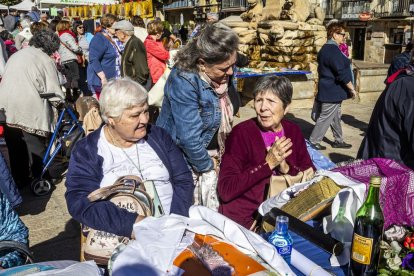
[32,204]
[339,157]
[65,246]
[305,126]
[354,122]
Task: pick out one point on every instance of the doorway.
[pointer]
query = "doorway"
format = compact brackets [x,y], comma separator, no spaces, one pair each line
[358,48]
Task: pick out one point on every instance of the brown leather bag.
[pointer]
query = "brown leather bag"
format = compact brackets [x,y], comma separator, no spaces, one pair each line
[278,183]
[128,192]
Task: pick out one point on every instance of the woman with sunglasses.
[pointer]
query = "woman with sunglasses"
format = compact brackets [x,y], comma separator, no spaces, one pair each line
[334,86]
[84,39]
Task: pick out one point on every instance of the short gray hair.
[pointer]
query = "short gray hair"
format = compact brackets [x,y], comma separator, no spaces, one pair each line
[129,33]
[278,86]
[119,95]
[216,43]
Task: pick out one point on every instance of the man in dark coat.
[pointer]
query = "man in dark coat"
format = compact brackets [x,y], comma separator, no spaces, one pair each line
[134,58]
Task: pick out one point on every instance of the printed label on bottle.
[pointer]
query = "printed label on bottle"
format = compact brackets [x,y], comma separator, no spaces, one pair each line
[284,250]
[362,249]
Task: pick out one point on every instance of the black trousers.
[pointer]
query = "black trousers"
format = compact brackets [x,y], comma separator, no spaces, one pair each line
[71,72]
[26,153]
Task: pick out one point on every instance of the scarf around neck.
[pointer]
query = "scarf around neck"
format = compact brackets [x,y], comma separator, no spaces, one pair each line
[67,32]
[226,108]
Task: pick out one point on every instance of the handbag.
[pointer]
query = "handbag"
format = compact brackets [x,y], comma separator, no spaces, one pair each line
[80,60]
[128,192]
[316,110]
[278,183]
[156,94]
[79,57]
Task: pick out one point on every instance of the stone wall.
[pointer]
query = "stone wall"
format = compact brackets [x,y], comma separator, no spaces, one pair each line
[376,47]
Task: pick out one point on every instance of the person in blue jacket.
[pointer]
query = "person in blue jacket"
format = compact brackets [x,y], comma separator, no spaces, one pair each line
[125,145]
[334,86]
[11,226]
[104,56]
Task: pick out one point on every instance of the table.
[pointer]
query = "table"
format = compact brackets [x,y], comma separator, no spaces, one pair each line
[283,72]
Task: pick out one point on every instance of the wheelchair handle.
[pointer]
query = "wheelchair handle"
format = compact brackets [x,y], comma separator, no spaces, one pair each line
[48,96]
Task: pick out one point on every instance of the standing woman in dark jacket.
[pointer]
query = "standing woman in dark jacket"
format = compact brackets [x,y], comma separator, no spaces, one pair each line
[334,86]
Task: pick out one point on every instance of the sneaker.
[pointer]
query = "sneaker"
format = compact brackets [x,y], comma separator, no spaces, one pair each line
[318,146]
[341,145]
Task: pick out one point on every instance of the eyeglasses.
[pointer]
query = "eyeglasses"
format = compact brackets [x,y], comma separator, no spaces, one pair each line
[343,34]
[80,27]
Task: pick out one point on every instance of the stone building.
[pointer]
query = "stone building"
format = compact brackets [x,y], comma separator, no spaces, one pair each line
[379,29]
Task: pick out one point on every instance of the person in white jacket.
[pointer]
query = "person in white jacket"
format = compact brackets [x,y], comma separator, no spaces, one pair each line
[68,51]
[23,37]
[30,73]
[3,57]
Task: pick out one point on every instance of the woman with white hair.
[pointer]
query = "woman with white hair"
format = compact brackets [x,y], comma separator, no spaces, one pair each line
[125,145]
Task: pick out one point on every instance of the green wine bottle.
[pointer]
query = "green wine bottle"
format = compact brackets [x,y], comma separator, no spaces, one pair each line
[367,235]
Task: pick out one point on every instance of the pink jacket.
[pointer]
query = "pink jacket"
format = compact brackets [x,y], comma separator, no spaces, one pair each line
[157,57]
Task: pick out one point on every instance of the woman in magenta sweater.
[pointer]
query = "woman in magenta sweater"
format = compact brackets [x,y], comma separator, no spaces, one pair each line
[258,148]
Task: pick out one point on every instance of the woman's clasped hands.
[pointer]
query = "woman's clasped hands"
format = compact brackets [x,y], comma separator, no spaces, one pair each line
[277,154]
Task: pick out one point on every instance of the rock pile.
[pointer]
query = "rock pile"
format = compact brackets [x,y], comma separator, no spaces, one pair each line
[281,39]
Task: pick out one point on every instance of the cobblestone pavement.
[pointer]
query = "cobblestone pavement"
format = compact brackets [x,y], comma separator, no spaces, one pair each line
[55,236]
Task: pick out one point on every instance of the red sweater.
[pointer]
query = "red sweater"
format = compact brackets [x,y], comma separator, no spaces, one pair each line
[157,57]
[244,174]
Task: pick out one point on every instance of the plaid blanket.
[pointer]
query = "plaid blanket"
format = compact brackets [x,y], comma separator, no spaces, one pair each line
[397,187]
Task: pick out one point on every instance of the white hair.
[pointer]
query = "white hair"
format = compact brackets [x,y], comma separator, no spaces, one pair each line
[119,95]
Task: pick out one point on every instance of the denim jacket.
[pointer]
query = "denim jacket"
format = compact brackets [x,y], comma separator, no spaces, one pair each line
[191,114]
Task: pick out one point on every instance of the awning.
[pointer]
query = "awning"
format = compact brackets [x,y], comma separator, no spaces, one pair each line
[25,5]
[76,2]
[3,7]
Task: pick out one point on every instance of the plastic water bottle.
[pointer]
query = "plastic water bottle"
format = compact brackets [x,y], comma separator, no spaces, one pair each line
[281,238]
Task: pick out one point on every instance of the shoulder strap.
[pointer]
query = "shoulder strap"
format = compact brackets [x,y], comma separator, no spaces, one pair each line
[111,41]
[67,47]
[109,38]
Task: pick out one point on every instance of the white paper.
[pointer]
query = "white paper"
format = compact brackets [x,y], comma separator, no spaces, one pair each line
[306,266]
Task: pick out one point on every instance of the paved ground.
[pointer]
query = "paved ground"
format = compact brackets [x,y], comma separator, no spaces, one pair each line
[55,236]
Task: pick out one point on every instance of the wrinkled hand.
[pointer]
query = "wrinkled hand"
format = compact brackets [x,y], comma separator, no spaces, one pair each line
[277,154]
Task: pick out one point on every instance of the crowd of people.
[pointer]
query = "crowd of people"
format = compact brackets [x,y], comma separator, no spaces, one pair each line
[192,153]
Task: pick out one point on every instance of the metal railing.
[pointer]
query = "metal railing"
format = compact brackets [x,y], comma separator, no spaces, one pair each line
[327,6]
[231,4]
[352,9]
[180,4]
[393,8]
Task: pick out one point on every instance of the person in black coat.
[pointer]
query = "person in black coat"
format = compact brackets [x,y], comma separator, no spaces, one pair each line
[334,86]
[400,61]
[390,132]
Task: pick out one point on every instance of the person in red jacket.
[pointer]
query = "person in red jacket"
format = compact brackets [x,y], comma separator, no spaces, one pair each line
[157,55]
[259,148]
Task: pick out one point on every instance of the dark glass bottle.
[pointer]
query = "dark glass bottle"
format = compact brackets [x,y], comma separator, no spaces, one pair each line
[368,229]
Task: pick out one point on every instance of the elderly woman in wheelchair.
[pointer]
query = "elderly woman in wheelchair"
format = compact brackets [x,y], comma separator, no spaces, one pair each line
[125,145]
